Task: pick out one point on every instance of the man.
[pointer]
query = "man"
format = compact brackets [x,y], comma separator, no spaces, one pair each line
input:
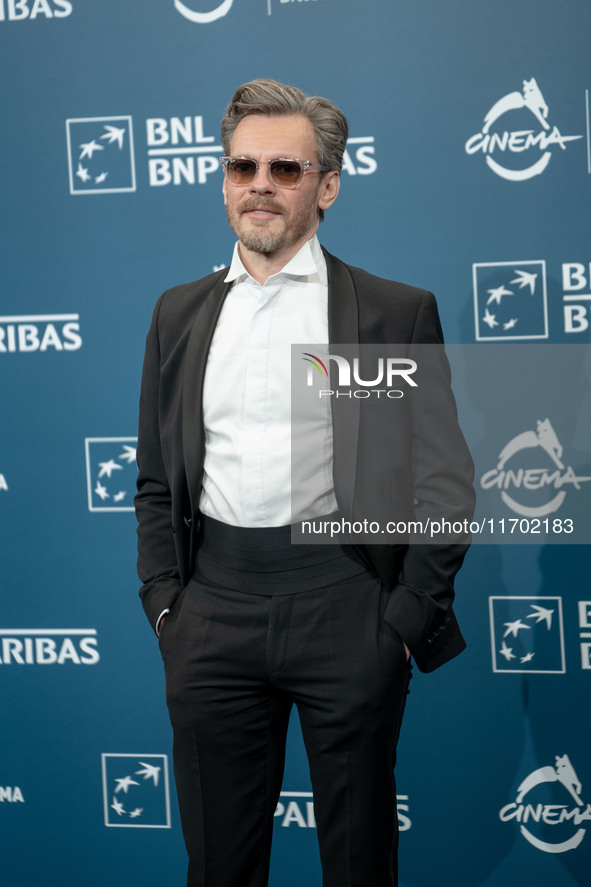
[250,624]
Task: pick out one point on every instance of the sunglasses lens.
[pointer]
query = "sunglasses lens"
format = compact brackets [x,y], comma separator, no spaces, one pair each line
[286,173]
[241,172]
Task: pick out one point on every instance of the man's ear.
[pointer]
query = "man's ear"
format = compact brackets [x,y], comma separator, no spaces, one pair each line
[224,191]
[329,189]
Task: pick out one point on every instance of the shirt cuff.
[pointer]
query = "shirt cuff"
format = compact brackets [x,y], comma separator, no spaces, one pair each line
[159,621]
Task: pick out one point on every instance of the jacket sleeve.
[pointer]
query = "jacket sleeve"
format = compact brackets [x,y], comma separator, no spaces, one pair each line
[419,606]
[157,560]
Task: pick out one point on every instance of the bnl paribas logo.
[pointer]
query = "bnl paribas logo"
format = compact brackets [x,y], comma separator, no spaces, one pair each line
[516,138]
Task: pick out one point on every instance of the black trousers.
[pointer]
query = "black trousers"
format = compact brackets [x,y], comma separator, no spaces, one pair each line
[236,662]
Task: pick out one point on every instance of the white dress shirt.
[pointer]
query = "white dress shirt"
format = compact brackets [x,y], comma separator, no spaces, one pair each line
[253,476]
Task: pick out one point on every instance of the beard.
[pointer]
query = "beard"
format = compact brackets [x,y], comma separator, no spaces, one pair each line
[258,239]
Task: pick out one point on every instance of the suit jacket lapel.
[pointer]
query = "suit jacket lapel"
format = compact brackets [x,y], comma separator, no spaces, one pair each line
[197,350]
[343,329]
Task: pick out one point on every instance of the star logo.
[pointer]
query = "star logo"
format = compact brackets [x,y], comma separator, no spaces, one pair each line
[514,627]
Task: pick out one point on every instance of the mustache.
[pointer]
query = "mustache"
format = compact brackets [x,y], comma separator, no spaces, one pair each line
[260,203]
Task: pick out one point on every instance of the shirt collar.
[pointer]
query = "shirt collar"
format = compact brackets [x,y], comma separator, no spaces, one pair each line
[308,262]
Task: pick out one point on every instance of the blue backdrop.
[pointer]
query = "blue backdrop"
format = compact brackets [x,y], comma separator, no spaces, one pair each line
[468,172]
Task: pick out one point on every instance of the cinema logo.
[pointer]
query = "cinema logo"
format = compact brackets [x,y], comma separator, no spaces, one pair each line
[204,15]
[388,371]
[48,646]
[524,141]
[11,794]
[540,821]
[533,481]
[39,332]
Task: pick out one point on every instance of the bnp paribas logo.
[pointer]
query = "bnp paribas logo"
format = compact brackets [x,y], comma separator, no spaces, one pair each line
[100,155]
[510,300]
[527,634]
[136,791]
[111,472]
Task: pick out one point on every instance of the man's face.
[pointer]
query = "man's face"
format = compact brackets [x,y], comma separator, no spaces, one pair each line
[268,219]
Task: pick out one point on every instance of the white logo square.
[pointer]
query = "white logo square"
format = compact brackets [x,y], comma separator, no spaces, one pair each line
[100,155]
[136,791]
[510,301]
[527,634]
[111,473]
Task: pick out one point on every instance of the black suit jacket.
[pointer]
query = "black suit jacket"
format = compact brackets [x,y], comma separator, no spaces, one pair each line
[362,308]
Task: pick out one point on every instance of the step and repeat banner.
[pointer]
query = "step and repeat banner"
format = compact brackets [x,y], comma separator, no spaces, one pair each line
[467,172]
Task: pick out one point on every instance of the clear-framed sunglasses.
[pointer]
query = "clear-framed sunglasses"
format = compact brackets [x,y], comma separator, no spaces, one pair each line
[285,172]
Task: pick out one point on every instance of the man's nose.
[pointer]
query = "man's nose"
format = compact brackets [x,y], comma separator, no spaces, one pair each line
[262,179]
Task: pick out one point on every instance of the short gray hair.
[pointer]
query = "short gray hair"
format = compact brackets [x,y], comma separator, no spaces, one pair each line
[274,99]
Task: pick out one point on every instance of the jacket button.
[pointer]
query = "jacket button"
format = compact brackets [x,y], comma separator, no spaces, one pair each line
[188,521]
